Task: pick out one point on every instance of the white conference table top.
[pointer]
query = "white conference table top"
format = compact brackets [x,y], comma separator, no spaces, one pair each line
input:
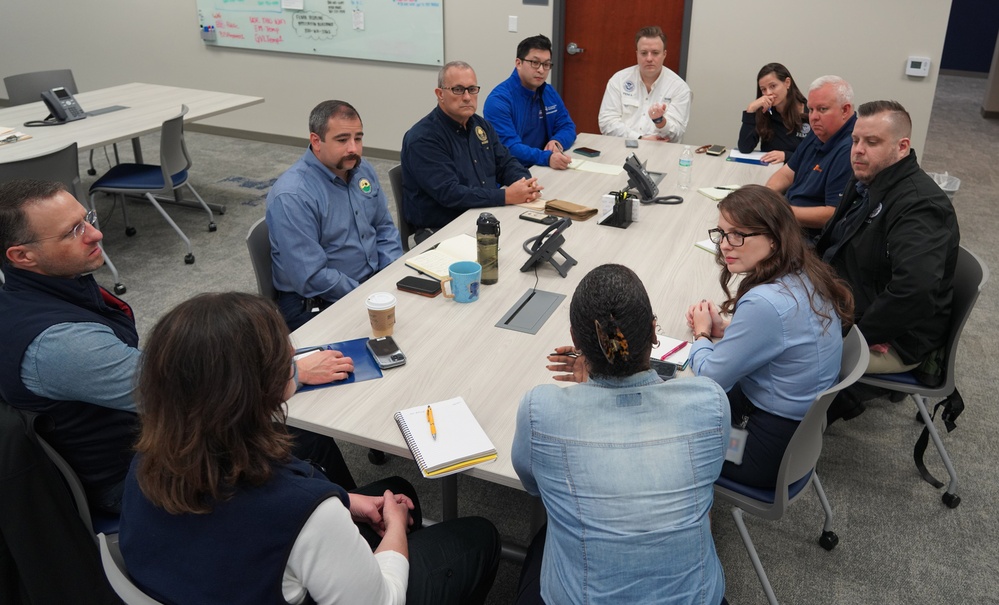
[148,105]
[455,349]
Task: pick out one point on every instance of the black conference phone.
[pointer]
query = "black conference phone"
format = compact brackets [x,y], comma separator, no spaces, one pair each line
[62,105]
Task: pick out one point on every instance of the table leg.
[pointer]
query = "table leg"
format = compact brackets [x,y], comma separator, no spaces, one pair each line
[449,497]
[137,150]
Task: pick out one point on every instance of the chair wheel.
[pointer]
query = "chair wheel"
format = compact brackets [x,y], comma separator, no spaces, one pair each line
[377,457]
[212,227]
[189,259]
[896,396]
[119,288]
[829,540]
[129,231]
[951,500]
[221,210]
[92,171]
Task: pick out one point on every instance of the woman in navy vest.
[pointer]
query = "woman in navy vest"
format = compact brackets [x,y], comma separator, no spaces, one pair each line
[217,510]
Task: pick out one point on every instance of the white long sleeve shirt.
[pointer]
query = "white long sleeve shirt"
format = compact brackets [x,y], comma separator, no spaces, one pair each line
[624,111]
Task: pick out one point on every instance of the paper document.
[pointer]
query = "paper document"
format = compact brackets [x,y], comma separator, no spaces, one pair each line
[455,443]
[435,262]
[597,167]
[717,193]
[680,356]
[708,246]
[753,157]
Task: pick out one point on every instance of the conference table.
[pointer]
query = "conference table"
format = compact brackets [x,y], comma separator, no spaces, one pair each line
[455,349]
[145,107]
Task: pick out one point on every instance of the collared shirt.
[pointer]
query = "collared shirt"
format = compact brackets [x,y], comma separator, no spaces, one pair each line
[780,351]
[526,119]
[626,468]
[328,235]
[624,111]
[821,170]
[448,168]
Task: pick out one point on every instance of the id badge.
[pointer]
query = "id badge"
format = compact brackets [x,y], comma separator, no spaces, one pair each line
[736,445]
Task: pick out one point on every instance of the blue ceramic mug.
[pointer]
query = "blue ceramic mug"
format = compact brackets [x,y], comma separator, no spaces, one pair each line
[464,281]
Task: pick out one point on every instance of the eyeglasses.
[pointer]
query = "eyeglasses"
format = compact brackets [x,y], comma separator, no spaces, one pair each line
[77,231]
[460,90]
[734,238]
[538,64]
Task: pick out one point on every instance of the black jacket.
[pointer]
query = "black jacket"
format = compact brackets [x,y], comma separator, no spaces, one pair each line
[900,260]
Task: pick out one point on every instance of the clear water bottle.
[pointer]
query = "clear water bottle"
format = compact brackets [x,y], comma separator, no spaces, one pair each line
[487,240]
[686,167]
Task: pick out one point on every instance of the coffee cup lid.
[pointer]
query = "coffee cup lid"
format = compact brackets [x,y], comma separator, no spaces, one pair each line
[380,301]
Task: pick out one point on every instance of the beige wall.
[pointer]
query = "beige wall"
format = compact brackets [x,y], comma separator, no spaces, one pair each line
[114,41]
[865,42]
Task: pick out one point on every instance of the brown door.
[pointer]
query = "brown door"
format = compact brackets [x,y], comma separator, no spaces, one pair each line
[606,33]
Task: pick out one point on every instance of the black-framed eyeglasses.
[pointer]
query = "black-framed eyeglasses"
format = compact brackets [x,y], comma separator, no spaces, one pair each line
[77,231]
[460,90]
[735,238]
[538,64]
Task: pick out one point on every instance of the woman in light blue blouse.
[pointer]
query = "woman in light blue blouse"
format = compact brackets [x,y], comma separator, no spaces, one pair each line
[783,343]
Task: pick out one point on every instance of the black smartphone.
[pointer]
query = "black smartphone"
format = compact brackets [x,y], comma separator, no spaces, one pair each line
[587,151]
[419,285]
[665,369]
[538,217]
[386,352]
[716,150]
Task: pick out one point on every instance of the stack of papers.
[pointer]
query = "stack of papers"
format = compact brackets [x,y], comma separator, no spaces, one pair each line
[9,135]
[597,167]
[717,193]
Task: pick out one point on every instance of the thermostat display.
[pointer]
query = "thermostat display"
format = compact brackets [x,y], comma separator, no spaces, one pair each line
[918,66]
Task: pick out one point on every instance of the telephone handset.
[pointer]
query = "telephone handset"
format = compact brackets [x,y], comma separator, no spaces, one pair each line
[62,105]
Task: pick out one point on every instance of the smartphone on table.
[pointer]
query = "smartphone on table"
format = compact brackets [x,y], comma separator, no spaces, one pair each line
[419,285]
[538,217]
[587,151]
[665,369]
[386,352]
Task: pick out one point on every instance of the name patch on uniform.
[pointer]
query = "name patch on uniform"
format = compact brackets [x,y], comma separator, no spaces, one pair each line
[481,133]
[364,185]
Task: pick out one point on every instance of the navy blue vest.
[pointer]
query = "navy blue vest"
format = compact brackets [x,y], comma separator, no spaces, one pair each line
[235,554]
[95,440]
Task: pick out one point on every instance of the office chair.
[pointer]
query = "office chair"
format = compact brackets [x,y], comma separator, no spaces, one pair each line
[405,229]
[63,166]
[27,88]
[150,179]
[114,569]
[970,275]
[797,467]
[258,243]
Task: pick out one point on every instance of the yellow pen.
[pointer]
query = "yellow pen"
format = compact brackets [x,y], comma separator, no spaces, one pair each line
[430,419]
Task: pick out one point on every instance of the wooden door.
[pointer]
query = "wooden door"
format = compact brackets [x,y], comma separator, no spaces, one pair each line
[606,33]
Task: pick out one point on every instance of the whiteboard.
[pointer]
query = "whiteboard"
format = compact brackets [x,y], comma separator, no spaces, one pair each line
[404,31]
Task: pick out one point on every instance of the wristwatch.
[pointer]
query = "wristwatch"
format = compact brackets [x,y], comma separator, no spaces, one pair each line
[704,334]
[659,120]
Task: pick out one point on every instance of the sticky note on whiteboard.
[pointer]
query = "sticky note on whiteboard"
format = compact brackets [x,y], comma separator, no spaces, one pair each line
[293,4]
[359,20]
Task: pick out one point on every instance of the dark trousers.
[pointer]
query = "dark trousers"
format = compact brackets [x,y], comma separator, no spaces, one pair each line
[769,435]
[323,452]
[297,310]
[453,562]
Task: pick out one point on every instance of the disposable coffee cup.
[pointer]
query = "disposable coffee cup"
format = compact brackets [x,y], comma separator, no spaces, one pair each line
[381,313]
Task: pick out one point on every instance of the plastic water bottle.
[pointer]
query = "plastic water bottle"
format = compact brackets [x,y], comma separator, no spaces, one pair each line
[686,167]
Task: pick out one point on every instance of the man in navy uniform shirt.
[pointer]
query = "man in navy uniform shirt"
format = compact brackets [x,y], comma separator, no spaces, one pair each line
[452,159]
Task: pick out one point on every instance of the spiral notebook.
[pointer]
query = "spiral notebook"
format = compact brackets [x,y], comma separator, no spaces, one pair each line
[461,443]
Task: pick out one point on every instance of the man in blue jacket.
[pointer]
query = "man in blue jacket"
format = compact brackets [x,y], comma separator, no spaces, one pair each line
[528,115]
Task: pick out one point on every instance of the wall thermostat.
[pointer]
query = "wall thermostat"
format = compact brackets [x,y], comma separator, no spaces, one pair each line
[917,66]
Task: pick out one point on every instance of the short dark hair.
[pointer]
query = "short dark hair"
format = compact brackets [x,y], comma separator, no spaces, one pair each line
[14,196]
[901,122]
[319,119]
[653,31]
[612,321]
[539,42]
[211,421]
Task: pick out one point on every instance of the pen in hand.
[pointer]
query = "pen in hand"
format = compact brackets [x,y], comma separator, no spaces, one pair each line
[430,419]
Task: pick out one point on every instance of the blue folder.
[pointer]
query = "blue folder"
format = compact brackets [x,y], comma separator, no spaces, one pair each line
[365,366]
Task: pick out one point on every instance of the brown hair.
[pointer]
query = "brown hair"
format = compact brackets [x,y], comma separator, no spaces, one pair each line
[14,196]
[653,31]
[757,208]
[792,117]
[211,400]
[901,123]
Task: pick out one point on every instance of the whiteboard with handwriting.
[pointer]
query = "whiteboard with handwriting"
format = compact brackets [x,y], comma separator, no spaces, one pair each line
[403,31]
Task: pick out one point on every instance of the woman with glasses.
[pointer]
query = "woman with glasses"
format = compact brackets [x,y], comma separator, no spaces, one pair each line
[217,510]
[777,118]
[624,463]
[783,343]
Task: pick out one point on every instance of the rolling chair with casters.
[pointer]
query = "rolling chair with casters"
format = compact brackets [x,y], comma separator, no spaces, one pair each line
[114,569]
[63,166]
[150,180]
[797,467]
[970,275]
[258,244]
[405,229]
[27,88]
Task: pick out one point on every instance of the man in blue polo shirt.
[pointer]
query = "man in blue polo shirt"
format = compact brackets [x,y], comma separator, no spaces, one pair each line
[329,222]
[528,114]
[814,178]
[452,159]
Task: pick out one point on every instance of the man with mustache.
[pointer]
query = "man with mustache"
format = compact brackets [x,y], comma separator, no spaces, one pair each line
[453,160]
[330,227]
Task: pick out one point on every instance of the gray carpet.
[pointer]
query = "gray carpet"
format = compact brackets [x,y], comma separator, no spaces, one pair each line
[898,542]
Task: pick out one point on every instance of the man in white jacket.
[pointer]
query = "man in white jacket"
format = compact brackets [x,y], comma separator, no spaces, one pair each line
[647,101]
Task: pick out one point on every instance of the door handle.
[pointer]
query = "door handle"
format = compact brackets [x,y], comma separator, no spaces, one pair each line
[573,49]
